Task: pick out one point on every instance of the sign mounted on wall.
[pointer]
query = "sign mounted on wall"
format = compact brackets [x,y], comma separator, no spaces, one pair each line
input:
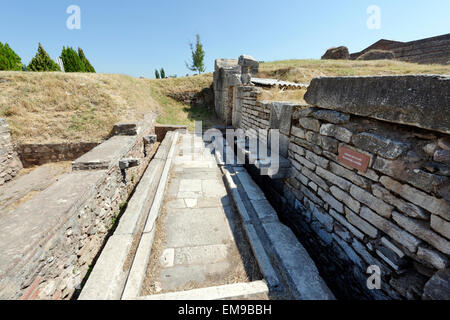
[354,159]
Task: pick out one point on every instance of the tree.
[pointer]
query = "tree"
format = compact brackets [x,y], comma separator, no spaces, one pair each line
[87,65]
[198,57]
[9,60]
[71,60]
[157,76]
[163,73]
[42,62]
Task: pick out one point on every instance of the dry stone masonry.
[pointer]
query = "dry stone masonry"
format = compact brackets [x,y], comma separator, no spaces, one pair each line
[369,181]
[9,161]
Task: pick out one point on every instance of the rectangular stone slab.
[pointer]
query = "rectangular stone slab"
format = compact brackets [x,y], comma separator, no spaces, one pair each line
[418,100]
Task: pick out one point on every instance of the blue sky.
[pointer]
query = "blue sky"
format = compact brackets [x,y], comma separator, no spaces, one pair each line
[134,37]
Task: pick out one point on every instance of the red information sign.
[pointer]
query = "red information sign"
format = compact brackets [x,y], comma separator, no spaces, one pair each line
[354,159]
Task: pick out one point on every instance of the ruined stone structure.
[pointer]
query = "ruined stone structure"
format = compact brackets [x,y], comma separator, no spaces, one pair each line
[228,74]
[74,216]
[368,182]
[429,50]
[9,161]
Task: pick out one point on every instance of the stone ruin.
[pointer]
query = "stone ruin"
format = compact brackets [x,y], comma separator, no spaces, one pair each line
[368,180]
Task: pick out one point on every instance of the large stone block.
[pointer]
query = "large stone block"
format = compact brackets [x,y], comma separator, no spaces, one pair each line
[383,146]
[417,100]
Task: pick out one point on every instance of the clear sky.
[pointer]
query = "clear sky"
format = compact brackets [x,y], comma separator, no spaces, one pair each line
[136,36]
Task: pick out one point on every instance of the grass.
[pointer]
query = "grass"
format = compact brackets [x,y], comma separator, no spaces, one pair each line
[72,107]
[303,71]
[175,112]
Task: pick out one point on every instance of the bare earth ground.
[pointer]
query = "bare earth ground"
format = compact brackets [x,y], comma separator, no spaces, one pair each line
[29,183]
[199,242]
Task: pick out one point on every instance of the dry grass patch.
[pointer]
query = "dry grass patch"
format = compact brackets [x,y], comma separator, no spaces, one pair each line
[277,94]
[61,107]
[303,71]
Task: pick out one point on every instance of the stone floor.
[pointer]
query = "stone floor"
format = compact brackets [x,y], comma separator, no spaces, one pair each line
[199,242]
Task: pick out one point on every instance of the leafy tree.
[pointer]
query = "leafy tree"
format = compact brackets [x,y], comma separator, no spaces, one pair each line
[72,62]
[9,60]
[157,76]
[198,57]
[87,65]
[163,73]
[42,62]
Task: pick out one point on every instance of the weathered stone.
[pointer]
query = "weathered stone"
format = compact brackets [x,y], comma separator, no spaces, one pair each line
[421,230]
[442,156]
[406,207]
[331,116]
[438,287]
[340,133]
[310,124]
[128,163]
[383,146]
[391,258]
[361,224]
[349,175]
[409,285]
[338,53]
[430,148]
[297,149]
[440,226]
[377,55]
[399,99]
[248,64]
[346,224]
[432,204]
[351,254]
[329,144]
[421,179]
[345,198]
[334,179]
[298,132]
[320,161]
[322,217]
[385,242]
[434,258]
[444,143]
[342,232]
[303,112]
[323,234]
[312,176]
[372,202]
[399,235]
[335,204]
[125,129]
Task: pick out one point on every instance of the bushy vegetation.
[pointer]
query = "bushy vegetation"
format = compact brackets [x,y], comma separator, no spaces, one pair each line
[42,62]
[87,65]
[9,60]
[72,61]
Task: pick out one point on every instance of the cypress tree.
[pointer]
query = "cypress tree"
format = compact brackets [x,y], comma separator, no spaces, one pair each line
[42,62]
[87,65]
[9,60]
[71,60]
[157,76]
[163,73]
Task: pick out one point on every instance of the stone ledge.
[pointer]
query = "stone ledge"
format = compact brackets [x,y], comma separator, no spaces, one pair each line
[418,100]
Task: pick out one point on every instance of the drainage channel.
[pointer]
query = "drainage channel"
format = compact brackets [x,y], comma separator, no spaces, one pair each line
[197,228]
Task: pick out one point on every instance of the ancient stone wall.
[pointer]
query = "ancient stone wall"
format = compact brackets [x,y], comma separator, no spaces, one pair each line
[430,50]
[58,255]
[228,74]
[369,182]
[9,162]
[39,154]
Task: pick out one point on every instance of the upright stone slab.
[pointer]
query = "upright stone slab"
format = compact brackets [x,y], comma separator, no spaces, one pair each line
[412,100]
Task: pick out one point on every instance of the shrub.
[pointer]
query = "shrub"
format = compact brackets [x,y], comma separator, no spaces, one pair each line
[71,60]
[87,65]
[9,60]
[163,73]
[157,76]
[42,62]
